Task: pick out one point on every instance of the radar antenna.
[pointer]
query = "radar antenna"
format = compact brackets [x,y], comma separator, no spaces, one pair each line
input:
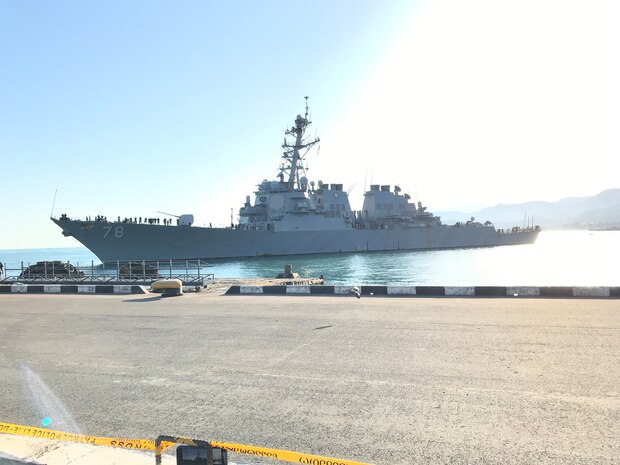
[306,97]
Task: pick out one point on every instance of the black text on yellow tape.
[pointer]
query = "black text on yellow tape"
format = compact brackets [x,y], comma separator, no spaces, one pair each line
[286,455]
[124,443]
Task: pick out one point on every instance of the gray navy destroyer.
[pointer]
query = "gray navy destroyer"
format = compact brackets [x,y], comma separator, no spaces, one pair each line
[291,216]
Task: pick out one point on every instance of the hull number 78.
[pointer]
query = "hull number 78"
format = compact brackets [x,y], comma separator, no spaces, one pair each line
[118,231]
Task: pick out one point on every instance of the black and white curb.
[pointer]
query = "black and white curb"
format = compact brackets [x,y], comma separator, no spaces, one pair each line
[432,291]
[72,289]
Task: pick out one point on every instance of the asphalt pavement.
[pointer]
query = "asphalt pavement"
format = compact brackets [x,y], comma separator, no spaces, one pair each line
[379,380]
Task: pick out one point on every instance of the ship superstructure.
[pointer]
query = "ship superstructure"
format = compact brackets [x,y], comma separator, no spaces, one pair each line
[292,203]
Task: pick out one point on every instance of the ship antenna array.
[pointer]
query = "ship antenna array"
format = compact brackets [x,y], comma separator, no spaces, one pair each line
[306,115]
[292,154]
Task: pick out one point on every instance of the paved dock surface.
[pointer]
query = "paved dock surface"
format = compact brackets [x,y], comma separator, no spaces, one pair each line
[380,380]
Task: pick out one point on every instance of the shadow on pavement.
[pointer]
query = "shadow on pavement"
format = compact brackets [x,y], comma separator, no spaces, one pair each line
[139,301]
[6,459]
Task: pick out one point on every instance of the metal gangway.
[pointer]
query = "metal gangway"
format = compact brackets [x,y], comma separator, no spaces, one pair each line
[139,272]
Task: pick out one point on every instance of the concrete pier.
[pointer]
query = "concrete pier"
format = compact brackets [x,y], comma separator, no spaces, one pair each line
[379,380]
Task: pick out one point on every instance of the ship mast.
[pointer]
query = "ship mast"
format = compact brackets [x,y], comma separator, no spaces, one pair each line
[292,153]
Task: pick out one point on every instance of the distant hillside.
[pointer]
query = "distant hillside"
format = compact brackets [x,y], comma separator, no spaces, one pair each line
[601,210]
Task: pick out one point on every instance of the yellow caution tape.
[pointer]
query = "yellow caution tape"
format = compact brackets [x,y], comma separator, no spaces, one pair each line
[125,443]
[146,444]
[286,455]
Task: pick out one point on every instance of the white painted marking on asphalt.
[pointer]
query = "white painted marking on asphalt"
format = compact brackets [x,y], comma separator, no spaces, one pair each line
[296,349]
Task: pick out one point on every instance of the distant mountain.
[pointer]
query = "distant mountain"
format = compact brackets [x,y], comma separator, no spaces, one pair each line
[601,210]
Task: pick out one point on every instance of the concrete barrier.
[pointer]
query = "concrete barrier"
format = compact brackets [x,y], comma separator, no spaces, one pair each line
[122,289]
[374,290]
[600,292]
[343,290]
[430,290]
[433,291]
[71,289]
[455,291]
[556,291]
[298,290]
[102,289]
[591,292]
[233,290]
[401,290]
[19,288]
[274,290]
[522,291]
[35,289]
[322,290]
[52,288]
[251,289]
[490,291]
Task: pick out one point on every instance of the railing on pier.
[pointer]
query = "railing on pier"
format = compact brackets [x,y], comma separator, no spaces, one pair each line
[144,272]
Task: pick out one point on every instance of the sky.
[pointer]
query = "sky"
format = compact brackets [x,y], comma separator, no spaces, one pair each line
[128,108]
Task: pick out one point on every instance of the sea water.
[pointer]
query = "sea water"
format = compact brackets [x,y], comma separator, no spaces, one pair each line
[558,258]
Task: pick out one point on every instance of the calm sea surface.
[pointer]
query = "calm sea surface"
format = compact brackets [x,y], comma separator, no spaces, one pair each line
[559,258]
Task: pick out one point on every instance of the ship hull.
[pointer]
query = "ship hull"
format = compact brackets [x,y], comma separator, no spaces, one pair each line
[131,241]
